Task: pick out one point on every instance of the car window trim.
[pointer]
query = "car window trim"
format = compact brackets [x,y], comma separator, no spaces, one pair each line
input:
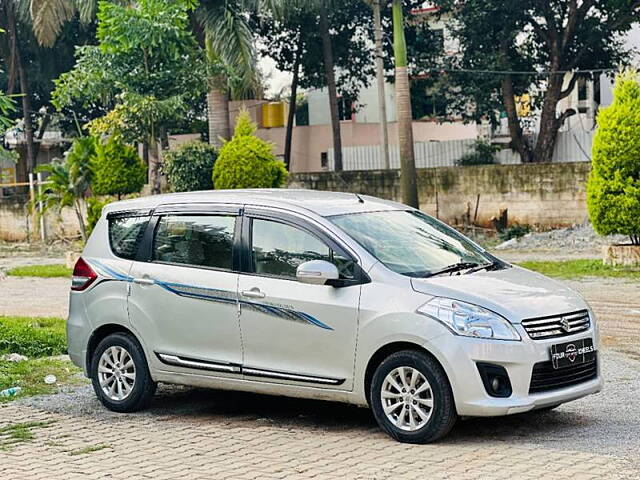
[127,214]
[249,214]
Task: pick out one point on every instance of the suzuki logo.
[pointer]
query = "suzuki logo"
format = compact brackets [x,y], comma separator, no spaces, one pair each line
[564,323]
[571,352]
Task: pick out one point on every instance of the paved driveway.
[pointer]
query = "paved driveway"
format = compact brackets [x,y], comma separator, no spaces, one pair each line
[190,433]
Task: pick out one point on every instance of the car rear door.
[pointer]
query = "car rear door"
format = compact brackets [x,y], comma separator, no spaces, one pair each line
[293,332]
[183,300]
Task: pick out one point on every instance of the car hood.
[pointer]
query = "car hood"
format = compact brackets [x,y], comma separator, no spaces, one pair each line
[515,293]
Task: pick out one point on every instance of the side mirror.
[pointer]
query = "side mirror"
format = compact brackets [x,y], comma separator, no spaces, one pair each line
[317,272]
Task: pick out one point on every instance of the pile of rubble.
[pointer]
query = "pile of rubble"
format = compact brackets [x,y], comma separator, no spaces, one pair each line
[578,237]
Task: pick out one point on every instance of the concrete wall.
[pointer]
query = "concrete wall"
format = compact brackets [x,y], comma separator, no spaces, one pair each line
[545,195]
[17,224]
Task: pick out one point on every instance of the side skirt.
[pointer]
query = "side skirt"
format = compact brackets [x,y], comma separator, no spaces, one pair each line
[184,362]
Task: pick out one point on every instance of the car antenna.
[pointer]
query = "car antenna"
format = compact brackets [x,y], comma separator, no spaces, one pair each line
[359,197]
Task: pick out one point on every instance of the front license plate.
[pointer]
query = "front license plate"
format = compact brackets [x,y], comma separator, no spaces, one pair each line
[572,353]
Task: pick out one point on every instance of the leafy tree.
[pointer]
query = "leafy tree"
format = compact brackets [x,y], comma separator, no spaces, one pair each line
[552,36]
[117,169]
[145,73]
[288,33]
[613,189]
[189,166]
[69,180]
[94,212]
[247,161]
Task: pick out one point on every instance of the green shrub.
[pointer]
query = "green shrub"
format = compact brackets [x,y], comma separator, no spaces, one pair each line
[117,169]
[613,188]
[94,212]
[482,153]
[33,337]
[190,166]
[247,161]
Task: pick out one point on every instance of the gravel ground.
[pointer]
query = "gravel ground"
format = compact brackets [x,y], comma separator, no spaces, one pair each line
[34,297]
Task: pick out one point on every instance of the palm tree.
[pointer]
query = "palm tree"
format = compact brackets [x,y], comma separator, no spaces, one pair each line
[231,57]
[46,19]
[403,108]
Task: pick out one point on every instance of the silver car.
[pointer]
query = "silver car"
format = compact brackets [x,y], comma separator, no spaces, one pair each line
[322,295]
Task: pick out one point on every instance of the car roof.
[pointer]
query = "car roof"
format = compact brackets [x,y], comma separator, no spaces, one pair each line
[322,203]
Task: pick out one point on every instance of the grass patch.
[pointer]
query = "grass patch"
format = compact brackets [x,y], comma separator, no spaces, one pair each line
[46,271]
[19,432]
[581,268]
[29,375]
[33,337]
[89,449]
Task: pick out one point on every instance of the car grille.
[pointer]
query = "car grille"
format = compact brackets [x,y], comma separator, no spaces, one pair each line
[545,378]
[557,325]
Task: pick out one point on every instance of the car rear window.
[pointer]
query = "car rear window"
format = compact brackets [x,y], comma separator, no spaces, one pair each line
[125,235]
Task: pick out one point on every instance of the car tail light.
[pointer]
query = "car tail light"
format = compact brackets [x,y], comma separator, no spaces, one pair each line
[83,276]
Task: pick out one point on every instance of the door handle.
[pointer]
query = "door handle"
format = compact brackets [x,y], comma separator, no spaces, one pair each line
[253,293]
[144,281]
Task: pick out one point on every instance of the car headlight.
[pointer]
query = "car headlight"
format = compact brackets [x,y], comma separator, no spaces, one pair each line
[469,320]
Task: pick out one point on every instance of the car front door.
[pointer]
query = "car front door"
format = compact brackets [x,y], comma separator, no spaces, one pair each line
[183,299]
[294,332]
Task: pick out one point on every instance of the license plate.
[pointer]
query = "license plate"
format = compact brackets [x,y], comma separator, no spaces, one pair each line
[572,353]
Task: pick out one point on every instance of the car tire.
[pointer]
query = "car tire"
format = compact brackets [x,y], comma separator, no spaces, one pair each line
[422,414]
[120,374]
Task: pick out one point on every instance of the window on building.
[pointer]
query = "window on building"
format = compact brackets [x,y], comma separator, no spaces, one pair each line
[345,108]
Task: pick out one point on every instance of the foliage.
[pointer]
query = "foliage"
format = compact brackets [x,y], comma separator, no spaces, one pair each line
[189,167]
[33,337]
[514,231]
[282,36]
[79,158]
[117,169]
[482,153]
[580,268]
[42,271]
[529,36]
[94,212]
[28,375]
[613,188]
[145,72]
[247,161]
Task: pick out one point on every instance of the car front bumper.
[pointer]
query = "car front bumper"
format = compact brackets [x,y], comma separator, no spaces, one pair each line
[460,356]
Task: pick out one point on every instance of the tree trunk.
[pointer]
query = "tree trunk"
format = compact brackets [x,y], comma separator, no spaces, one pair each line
[550,123]
[83,230]
[292,110]
[154,164]
[384,132]
[518,142]
[24,87]
[327,53]
[403,106]
[218,111]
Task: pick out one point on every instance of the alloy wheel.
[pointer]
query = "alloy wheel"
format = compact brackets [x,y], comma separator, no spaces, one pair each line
[407,398]
[116,373]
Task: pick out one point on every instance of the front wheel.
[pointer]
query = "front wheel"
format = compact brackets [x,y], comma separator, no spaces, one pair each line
[411,398]
[120,375]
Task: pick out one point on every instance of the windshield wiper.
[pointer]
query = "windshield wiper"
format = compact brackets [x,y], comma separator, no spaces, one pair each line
[456,267]
[483,266]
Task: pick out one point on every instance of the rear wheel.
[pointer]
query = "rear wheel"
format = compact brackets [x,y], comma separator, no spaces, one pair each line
[411,398]
[120,374]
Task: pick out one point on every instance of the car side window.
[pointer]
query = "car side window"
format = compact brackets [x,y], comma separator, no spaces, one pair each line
[125,235]
[199,240]
[277,249]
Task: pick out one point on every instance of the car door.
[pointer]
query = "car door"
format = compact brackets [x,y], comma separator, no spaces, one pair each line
[183,299]
[295,332]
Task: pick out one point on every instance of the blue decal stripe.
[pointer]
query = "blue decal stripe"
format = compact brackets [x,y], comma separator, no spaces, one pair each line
[221,296]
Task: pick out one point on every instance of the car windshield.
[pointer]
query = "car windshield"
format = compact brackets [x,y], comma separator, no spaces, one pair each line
[412,243]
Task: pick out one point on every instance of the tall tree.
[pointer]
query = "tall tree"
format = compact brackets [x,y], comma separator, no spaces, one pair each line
[291,40]
[223,29]
[403,106]
[382,99]
[562,39]
[145,73]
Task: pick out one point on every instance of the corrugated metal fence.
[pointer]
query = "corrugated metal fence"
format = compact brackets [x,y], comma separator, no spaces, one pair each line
[571,146]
